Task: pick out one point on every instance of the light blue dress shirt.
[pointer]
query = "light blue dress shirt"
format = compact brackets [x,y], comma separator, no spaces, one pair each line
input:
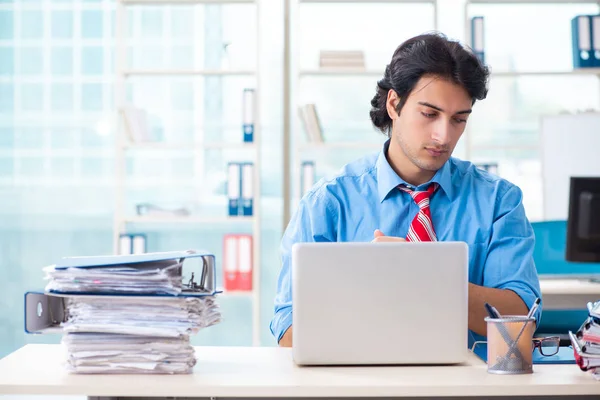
[470,205]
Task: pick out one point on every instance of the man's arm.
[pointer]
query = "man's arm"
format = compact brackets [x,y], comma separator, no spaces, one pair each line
[286,339]
[511,283]
[505,301]
[510,280]
[313,221]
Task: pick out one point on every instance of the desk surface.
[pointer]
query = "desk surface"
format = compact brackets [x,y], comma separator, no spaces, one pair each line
[270,372]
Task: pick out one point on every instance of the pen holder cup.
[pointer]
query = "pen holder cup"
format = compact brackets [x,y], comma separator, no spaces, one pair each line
[510,344]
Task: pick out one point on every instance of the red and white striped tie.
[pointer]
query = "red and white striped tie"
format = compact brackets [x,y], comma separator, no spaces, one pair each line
[421,228]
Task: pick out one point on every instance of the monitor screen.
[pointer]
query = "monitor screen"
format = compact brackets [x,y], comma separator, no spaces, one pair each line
[583,224]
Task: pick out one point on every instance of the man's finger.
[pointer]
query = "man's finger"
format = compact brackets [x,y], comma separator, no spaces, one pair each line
[381,239]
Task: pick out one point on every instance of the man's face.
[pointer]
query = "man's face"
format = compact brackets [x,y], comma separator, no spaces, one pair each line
[430,122]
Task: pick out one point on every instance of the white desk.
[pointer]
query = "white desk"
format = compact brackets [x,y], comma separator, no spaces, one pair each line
[568,294]
[269,372]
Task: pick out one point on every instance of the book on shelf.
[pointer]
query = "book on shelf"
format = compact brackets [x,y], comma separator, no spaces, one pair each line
[154,210]
[335,59]
[311,123]
[136,124]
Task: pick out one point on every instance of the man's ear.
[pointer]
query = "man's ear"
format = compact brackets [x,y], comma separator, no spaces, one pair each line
[392,104]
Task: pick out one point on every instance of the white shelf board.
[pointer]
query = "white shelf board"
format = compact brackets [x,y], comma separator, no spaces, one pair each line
[186,72]
[235,293]
[190,146]
[379,73]
[341,72]
[505,147]
[531,2]
[339,145]
[169,2]
[578,71]
[188,220]
[369,1]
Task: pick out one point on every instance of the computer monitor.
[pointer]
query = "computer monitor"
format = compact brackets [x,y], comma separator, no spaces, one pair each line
[583,224]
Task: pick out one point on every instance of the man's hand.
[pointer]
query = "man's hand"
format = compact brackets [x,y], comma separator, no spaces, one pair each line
[380,237]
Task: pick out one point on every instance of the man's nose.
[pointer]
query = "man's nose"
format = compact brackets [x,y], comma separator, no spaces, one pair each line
[441,133]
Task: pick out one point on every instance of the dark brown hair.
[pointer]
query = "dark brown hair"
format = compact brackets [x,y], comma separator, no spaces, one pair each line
[427,54]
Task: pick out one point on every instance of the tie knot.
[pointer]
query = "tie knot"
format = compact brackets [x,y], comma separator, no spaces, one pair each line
[421,197]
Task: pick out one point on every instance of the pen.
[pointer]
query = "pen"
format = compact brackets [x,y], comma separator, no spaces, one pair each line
[534,307]
[492,312]
[513,347]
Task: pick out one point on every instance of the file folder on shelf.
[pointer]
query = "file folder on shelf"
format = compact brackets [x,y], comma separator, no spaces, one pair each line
[237,262]
[596,40]
[581,31]
[307,176]
[234,179]
[248,114]
[477,37]
[244,278]
[247,188]
[132,243]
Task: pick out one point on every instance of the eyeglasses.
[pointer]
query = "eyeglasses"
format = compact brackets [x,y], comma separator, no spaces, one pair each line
[547,346]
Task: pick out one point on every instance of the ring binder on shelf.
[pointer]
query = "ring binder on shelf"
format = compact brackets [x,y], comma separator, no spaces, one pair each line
[582,41]
[248,115]
[477,40]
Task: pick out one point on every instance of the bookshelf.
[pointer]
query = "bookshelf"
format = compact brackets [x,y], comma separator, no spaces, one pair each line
[516,74]
[310,82]
[196,147]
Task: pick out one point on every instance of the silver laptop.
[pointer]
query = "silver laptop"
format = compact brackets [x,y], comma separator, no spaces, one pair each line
[380,303]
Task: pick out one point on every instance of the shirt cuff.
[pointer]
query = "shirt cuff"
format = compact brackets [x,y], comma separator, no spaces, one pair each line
[528,296]
[281,323]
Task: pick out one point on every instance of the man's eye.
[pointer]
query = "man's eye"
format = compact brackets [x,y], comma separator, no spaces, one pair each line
[460,120]
[428,115]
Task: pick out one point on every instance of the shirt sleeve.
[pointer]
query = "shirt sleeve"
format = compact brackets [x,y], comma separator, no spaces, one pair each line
[313,221]
[509,263]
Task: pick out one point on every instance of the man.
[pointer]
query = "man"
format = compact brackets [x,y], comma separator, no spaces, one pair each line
[414,190]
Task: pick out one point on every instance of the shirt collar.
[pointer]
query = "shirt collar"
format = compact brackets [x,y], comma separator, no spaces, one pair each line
[387,179]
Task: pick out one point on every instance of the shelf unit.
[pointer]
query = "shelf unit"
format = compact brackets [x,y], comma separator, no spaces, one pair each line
[198,146]
[293,146]
[470,147]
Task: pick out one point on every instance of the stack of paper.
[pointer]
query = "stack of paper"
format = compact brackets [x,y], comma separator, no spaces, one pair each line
[586,341]
[160,277]
[351,59]
[133,313]
[146,316]
[90,353]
